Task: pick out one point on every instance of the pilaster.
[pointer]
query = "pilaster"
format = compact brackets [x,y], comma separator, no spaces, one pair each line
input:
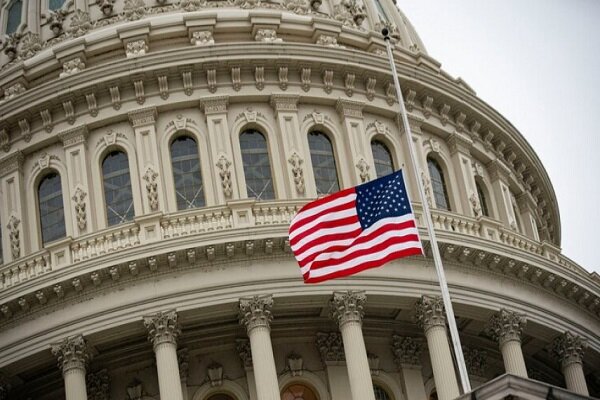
[407,356]
[499,174]
[460,154]
[350,112]
[78,176]
[12,216]
[331,348]
[149,163]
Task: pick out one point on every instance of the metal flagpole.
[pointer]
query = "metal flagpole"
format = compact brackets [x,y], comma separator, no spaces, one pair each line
[460,360]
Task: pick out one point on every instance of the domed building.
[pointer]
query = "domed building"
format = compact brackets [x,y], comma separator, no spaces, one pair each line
[152,155]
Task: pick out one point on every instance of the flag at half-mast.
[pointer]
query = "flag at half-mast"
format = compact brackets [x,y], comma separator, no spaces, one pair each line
[355,229]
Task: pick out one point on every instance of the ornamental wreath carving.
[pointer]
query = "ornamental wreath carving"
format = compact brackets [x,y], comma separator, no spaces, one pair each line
[223,164]
[80,212]
[297,171]
[151,188]
[15,243]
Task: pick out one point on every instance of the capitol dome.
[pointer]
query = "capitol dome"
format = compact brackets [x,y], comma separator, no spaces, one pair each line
[152,155]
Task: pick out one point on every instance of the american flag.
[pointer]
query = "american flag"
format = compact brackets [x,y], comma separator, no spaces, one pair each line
[355,229]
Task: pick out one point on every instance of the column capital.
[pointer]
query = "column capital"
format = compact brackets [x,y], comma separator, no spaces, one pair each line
[407,350]
[349,108]
[506,325]
[430,312]
[13,162]
[284,102]
[476,361]
[245,352]
[330,346]
[459,143]
[162,327]
[71,353]
[183,360]
[74,136]
[568,349]
[142,117]
[98,384]
[256,311]
[347,306]
[215,104]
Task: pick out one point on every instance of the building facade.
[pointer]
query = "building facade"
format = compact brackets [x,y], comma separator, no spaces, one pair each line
[152,154]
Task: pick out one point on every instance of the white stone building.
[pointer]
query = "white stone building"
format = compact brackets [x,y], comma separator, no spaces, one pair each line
[152,154]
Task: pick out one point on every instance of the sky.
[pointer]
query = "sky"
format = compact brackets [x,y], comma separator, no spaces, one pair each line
[537,62]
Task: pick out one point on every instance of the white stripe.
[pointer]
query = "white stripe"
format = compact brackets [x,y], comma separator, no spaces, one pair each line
[360,260]
[319,248]
[313,211]
[323,232]
[323,218]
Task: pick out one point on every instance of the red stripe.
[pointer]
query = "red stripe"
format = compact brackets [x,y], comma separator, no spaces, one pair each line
[340,207]
[367,265]
[327,238]
[325,225]
[358,253]
[326,199]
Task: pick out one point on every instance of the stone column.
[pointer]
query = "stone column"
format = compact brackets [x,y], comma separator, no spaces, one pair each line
[568,350]
[163,332]
[506,327]
[459,146]
[243,348]
[407,355]
[255,314]
[13,216]
[431,317]
[72,355]
[350,112]
[347,311]
[499,173]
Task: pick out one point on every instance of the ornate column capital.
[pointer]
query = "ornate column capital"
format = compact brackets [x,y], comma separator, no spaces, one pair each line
[162,327]
[245,352]
[506,325]
[349,108]
[215,104]
[330,346]
[74,136]
[476,361]
[13,162]
[98,385]
[284,102]
[142,116]
[347,306]
[568,349]
[256,311]
[71,353]
[430,312]
[407,350]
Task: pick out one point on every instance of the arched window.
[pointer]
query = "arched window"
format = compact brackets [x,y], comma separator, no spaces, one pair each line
[381,393]
[323,161]
[51,208]
[257,166]
[15,13]
[438,184]
[482,199]
[297,391]
[186,173]
[383,158]
[117,188]
[55,4]
[381,11]
[220,396]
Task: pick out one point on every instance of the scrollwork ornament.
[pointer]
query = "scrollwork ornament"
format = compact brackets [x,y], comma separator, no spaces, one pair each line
[475,205]
[297,171]
[506,326]
[363,169]
[407,350]
[71,353]
[80,212]
[568,349]
[192,5]
[14,236]
[347,306]
[162,328]
[247,4]
[151,188]
[427,188]
[256,312]
[134,9]
[330,346]
[56,19]
[298,6]
[98,385]
[31,44]
[430,312]
[10,43]
[223,164]
[244,351]
[80,24]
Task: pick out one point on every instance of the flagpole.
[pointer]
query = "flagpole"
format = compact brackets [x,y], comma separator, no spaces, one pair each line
[437,259]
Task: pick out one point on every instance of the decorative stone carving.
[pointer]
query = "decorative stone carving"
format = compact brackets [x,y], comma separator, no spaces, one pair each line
[79,204]
[55,18]
[568,349]
[202,38]
[267,36]
[236,79]
[80,24]
[299,6]
[328,41]
[98,385]
[72,353]
[243,348]
[476,361]
[246,4]
[135,390]
[106,6]
[115,97]
[138,87]
[363,169]
[215,374]
[328,80]
[256,312]
[192,5]
[183,360]
[223,164]
[430,312]
[10,45]
[13,234]
[211,79]
[349,84]
[330,346]
[349,13]
[283,78]
[305,78]
[69,111]
[72,66]
[151,188]
[373,360]
[475,205]
[347,306]
[134,9]
[188,87]
[506,325]
[370,83]
[390,93]
[31,44]
[407,350]
[25,130]
[427,188]
[13,91]
[162,328]
[259,77]
[136,48]
[4,140]
[297,171]
[295,364]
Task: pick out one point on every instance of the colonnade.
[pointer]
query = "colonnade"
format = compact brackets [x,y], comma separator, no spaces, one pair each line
[346,347]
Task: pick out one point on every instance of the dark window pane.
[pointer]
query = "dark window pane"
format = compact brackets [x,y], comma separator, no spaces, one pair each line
[55,4]
[482,200]
[438,184]
[189,190]
[52,214]
[117,188]
[257,166]
[323,161]
[15,12]
[380,393]
[383,159]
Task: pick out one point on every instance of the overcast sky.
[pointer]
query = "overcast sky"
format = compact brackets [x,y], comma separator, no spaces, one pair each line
[537,62]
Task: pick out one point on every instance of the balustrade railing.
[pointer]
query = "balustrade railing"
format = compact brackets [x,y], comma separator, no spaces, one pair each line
[25,268]
[196,221]
[105,241]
